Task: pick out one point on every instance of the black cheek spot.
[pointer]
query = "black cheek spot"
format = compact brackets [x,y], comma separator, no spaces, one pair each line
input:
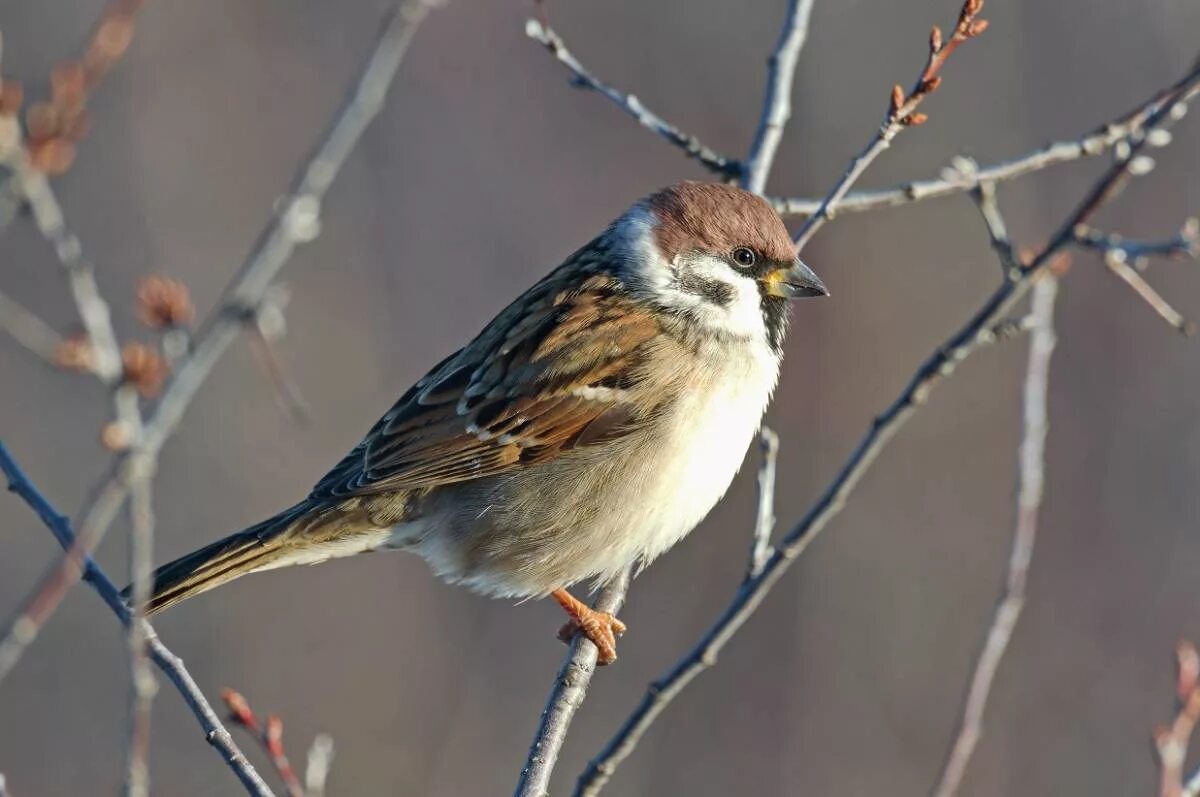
[713,291]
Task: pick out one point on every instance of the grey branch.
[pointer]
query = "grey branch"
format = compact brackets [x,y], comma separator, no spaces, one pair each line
[4,792]
[568,693]
[171,665]
[34,187]
[142,683]
[296,221]
[764,522]
[940,365]
[953,181]
[1030,483]
[316,770]
[777,106]
[582,78]
[29,330]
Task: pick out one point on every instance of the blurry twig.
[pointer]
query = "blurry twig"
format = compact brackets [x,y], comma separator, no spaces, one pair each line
[4,792]
[764,524]
[29,330]
[296,221]
[569,690]
[902,112]
[777,107]
[316,770]
[143,686]
[1030,481]
[940,365]
[269,736]
[170,664]
[630,104]
[1171,741]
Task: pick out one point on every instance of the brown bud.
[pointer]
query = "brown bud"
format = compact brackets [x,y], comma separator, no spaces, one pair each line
[1060,264]
[112,37]
[11,96]
[164,303]
[931,84]
[239,709]
[897,97]
[274,735]
[75,353]
[52,156]
[144,368]
[935,39]
[914,120]
[116,436]
[977,27]
[41,121]
[971,8]
[66,86]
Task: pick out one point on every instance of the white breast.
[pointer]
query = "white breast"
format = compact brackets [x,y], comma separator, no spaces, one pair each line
[701,452]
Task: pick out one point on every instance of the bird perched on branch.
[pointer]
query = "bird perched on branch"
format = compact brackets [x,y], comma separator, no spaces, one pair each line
[589,427]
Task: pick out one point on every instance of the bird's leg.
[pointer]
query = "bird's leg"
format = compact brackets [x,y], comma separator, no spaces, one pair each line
[600,627]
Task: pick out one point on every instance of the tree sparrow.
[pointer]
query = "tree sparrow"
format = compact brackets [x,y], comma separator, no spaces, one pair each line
[589,427]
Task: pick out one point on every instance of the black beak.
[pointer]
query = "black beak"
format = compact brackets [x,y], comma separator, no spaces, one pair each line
[795,282]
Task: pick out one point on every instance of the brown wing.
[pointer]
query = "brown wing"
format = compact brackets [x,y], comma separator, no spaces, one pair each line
[553,371]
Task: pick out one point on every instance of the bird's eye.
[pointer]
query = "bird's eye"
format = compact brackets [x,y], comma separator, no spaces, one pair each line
[744,257]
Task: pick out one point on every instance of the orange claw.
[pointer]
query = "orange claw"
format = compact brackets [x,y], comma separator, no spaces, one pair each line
[600,627]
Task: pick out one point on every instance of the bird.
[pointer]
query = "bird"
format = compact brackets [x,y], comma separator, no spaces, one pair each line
[585,430]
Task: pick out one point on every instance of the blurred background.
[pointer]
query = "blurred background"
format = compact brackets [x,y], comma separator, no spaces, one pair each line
[484,170]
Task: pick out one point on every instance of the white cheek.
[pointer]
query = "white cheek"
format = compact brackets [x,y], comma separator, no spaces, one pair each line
[741,316]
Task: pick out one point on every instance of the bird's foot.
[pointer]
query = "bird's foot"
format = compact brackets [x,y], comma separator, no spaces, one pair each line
[600,627]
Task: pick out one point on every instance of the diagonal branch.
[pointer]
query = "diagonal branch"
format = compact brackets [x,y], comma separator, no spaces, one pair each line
[631,105]
[170,664]
[940,365]
[296,221]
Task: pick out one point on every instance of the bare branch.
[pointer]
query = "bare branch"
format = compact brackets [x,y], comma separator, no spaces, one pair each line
[4,792]
[320,759]
[170,664]
[941,364]
[1116,263]
[570,688]
[1030,481]
[764,524]
[142,683]
[777,107]
[902,113]
[296,221]
[709,158]
[954,181]
[29,330]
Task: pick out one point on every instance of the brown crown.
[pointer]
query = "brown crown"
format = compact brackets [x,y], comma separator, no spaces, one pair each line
[717,218]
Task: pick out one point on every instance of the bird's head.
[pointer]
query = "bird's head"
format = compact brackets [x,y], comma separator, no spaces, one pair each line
[718,256]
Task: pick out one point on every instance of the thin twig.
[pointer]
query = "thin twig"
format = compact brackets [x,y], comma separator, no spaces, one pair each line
[269,736]
[170,664]
[316,770]
[1171,742]
[1030,482]
[29,330]
[940,365]
[584,79]
[764,523]
[777,106]
[570,688]
[296,221]
[4,792]
[902,113]
[1116,263]
[142,684]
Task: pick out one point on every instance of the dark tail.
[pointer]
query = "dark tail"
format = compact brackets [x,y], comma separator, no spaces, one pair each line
[238,554]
